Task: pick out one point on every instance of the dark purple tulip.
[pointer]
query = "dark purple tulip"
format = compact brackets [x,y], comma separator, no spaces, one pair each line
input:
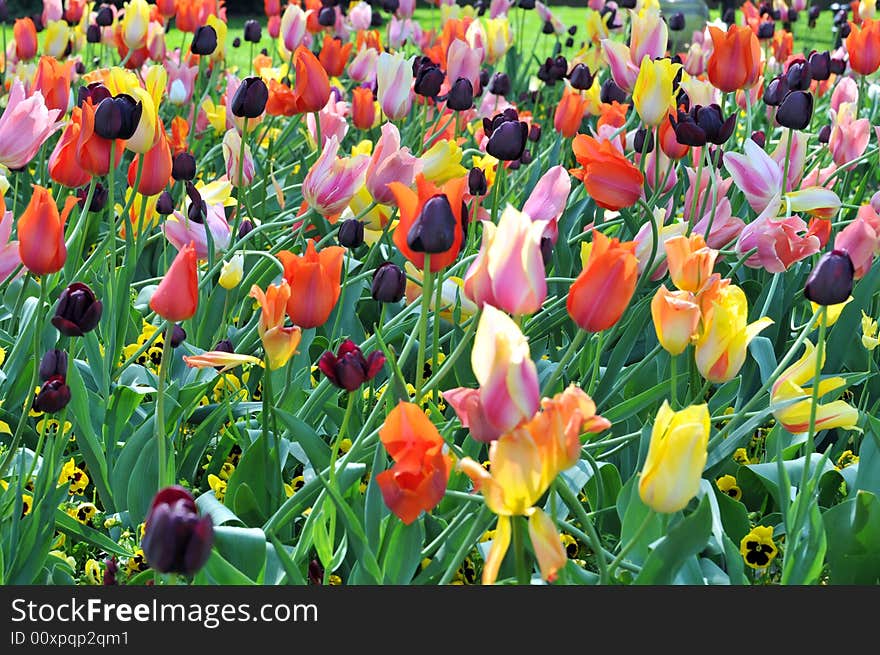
[759,137]
[580,77]
[712,122]
[676,21]
[820,65]
[224,346]
[53,363]
[316,573]
[4,11]
[798,76]
[845,29]
[78,311]
[204,41]
[546,250]
[535,132]
[526,158]
[390,5]
[165,204]
[776,91]
[477,184]
[351,233]
[643,141]
[183,167]
[729,16]
[610,92]
[104,18]
[96,91]
[766,29]
[831,281]
[111,568]
[348,369]
[327,17]
[507,135]
[824,135]
[389,283]
[461,95]
[236,42]
[198,208]
[53,395]
[429,78]
[547,27]
[176,539]
[553,70]
[99,197]
[376,19]
[118,117]
[837,66]
[526,4]
[573,30]
[796,110]
[253,32]
[485,75]
[813,12]
[93,34]
[569,42]
[434,229]
[250,99]
[245,228]
[178,335]
[499,84]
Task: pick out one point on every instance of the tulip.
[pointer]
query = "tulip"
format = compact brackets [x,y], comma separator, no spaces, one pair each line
[389,283]
[53,396]
[183,167]
[795,417]
[609,177]
[601,293]
[312,88]
[293,27]
[177,296]
[279,342]
[547,200]
[176,539]
[463,61]
[394,78]
[735,62]
[25,34]
[831,281]
[53,81]
[235,166]
[41,232]
[348,369]
[863,45]
[135,23]
[508,272]
[314,280]
[690,261]
[332,181]
[506,135]
[250,98]
[389,163]
[9,252]
[676,317]
[702,125]
[363,108]
[849,136]
[25,125]
[779,242]
[63,165]
[78,311]
[157,168]
[53,363]
[428,78]
[676,456]
[334,55]
[417,480]
[861,240]
[232,272]
[118,117]
[796,110]
[570,112]
[721,346]
[222,358]
[649,37]
[477,183]
[441,162]
[654,93]
[755,173]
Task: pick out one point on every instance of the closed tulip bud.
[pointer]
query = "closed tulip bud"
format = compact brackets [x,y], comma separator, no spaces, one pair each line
[477,184]
[348,369]
[250,99]
[796,110]
[507,136]
[676,456]
[351,233]
[837,66]
[676,21]
[499,84]
[643,141]
[53,363]
[759,137]
[93,34]
[236,42]
[676,317]
[580,77]
[326,17]
[461,95]
[766,29]
[245,228]
[232,272]
[104,17]
[176,539]
[485,76]
[253,32]
[610,92]
[428,80]
[118,117]
[53,396]
[831,281]
[820,65]
[569,42]
[198,208]
[389,283]
[434,229]
[535,132]
[224,346]
[547,28]
[183,167]
[204,41]
[798,76]
[177,296]
[78,311]
[776,91]
[99,197]
[165,204]
[178,335]
[824,135]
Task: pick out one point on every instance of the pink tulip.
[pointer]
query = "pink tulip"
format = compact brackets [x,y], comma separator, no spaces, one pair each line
[362,68]
[9,255]
[464,61]
[649,36]
[390,163]
[180,231]
[508,272]
[861,239]
[231,155]
[332,181]
[846,91]
[490,105]
[819,176]
[623,70]
[849,135]
[725,226]
[359,16]
[499,8]
[406,9]
[664,170]
[25,125]
[333,118]
[52,11]
[181,82]
[394,78]
[548,198]
[399,32]
[293,27]
[780,242]
[755,173]
[470,411]
[704,190]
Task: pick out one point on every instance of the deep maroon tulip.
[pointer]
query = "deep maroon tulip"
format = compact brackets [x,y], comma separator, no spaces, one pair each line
[824,135]
[507,135]
[204,41]
[796,110]
[53,363]
[198,208]
[428,78]
[165,204]
[327,17]
[176,539]
[838,66]
[477,184]
[580,77]
[118,117]
[766,29]
[433,231]
[250,99]
[776,91]
[93,34]
[676,21]
[820,65]
[245,228]
[553,70]
[348,369]
[253,32]
[759,137]
[183,167]
[461,95]
[798,76]
[351,233]
[831,281]
[389,283]
[53,395]
[535,132]
[178,335]
[610,92]
[96,91]
[643,141]
[99,197]
[499,84]
[78,311]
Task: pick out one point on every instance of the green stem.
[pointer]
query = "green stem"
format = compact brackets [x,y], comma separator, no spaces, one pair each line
[571,500]
[518,528]
[631,543]
[566,356]
[427,287]
[814,401]
[334,453]
[166,455]
[241,188]
[673,386]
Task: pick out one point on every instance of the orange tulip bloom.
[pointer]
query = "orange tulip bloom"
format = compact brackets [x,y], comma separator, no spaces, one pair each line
[279,342]
[25,34]
[735,62]
[157,166]
[782,45]
[312,84]
[334,55]
[53,81]
[863,46]
[179,134]
[669,143]
[690,261]
[570,112]
[282,100]
[411,203]
[418,478]
[601,293]
[610,178]
[177,296]
[613,114]
[363,108]
[314,280]
[93,151]
[63,165]
[369,39]
[41,233]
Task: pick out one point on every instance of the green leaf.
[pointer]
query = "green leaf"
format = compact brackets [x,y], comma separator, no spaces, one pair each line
[633,513]
[868,476]
[402,551]
[806,546]
[301,433]
[243,548]
[89,444]
[684,540]
[217,571]
[853,530]
[70,526]
[761,349]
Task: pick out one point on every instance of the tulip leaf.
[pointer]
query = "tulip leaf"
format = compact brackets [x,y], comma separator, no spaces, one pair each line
[70,526]
[806,543]
[301,433]
[217,571]
[219,513]
[761,349]
[868,476]
[683,540]
[634,513]
[401,550]
[244,548]
[853,530]
[374,505]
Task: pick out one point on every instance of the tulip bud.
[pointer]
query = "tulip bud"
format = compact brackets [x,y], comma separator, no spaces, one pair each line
[820,65]
[348,369]
[198,208]
[183,167]
[118,117]
[224,346]
[580,77]
[250,98]
[93,34]
[485,76]
[434,229]
[232,271]
[641,137]
[53,395]
[389,283]
[236,42]
[178,335]
[253,32]
[831,281]
[429,78]
[569,42]
[813,12]
[546,250]
[766,29]
[798,76]
[676,21]
[461,95]
[477,184]
[104,17]
[535,132]
[53,363]
[759,137]
[547,28]
[165,204]
[204,41]
[245,228]
[78,311]
[507,135]
[824,134]
[351,233]
[99,197]
[845,29]
[796,110]
[776,91]
[176,539]
[837,66]
[499,84]
[327,17]
[610,92]
[729,16]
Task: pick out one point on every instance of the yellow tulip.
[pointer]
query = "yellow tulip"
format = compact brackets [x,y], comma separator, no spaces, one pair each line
[832,312]
[135,23]
[232,272]
[144,137]
[156,80]
[653,94]
[216,115]
[221,28]
[869,332]
[442,162]
[676,457]
[676,317]
[56,38]
[498,38]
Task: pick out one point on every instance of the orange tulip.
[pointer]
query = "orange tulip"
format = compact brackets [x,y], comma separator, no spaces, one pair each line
[53,81]
[363,108]
[41,233]
[669,143]
[25,34]
[312,84]
[177,296]
[418,478]
[690,261]
[609,177]
[601,293]
[93,151]
[411,204]
[63,165]
[863,46]
[314,280]
[735,62]
[157,166]
[676,317]
[282,100]
[334,55]
[570,112]
[613,114]
[179,133]
[279,342]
